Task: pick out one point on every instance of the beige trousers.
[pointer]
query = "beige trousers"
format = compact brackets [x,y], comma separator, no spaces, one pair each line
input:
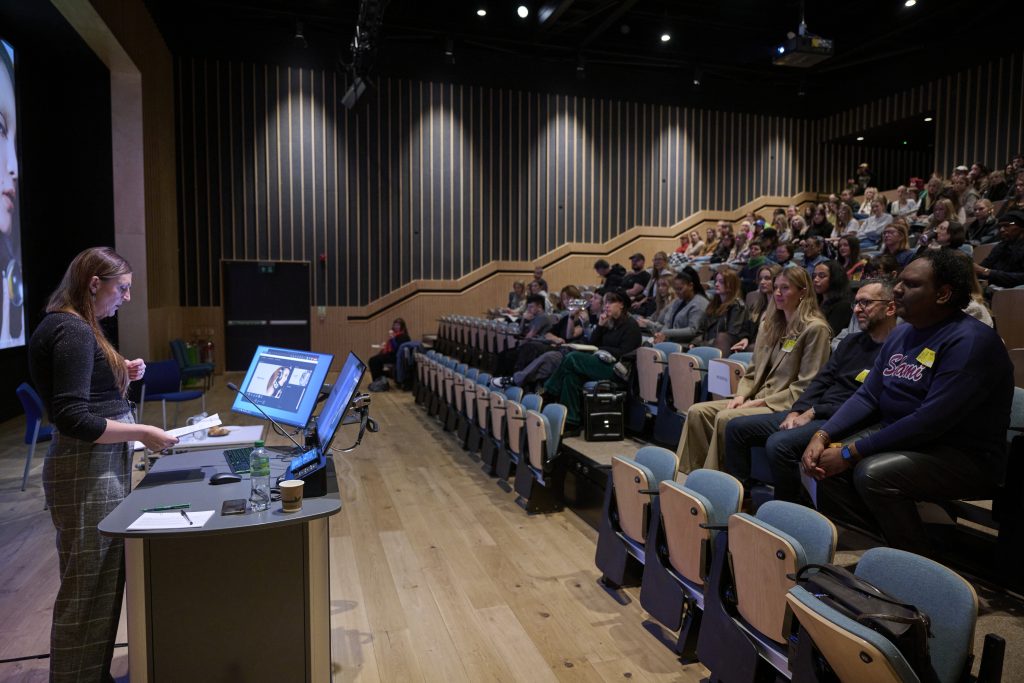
[704,434]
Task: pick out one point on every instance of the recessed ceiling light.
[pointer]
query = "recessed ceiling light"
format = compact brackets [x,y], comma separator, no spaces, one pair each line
[904,142]
[927,119]
[665,37]
[481,12]
[910,3]
[860,138]
[523,11]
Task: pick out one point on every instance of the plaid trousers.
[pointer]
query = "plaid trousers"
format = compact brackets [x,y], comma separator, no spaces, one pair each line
[83,483]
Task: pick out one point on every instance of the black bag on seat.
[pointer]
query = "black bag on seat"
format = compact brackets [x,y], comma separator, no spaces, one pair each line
[603,410]
[903,625]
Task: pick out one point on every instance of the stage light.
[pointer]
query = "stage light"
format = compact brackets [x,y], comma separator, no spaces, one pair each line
[860,138]
[910,3]
[665,37]
[927,119]
[481,12]
[523,11]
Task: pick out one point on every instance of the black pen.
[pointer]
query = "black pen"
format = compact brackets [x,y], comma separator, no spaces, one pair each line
[185,515]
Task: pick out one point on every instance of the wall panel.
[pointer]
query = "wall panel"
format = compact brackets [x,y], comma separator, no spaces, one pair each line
[433,181]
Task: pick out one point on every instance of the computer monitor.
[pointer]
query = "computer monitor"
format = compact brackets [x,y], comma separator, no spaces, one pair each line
[345,389]
[284,382]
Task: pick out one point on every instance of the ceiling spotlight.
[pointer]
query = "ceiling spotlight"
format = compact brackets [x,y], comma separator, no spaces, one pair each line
[781,49]
[904,142]
[300,37]
[696,76]
[665,37]
[860,138]
[927,119]
[481,12]
[910,3]
[523,11]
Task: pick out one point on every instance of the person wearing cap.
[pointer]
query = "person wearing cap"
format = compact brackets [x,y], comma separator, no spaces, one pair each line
[687,311]
[616,334]
[1004,266]
[636,281]
[863,175]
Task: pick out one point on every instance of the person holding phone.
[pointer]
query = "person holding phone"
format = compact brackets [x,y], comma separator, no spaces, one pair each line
[83,382]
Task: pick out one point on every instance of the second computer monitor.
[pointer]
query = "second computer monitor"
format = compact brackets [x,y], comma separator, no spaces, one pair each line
[345,389]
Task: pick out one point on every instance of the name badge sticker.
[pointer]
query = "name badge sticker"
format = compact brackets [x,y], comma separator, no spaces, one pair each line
[862,375]
[788,345]
[926,357]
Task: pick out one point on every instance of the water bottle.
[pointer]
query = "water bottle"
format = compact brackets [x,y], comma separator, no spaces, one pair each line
[259,476]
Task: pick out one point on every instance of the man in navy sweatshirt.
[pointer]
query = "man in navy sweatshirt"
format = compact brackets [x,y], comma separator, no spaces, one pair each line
[784,434]
[939,401]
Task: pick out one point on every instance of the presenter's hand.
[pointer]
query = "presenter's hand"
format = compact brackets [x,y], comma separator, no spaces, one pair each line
[155,439]
[136,369]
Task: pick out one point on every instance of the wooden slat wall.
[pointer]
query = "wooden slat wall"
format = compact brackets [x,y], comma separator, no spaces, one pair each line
[432,181]
[890,167]
[979,116]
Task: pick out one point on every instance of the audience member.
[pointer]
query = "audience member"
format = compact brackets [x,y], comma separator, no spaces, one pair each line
[517,297]
[870,195]
[819,225]
[850,258]
[871,228]
[611,276]
[895,242]
[644,304]
[636,280]
[397,335]
[1004,266]
[762,304]
[534,324]
[755,259]
[686,312]
[785,433]
[617,334]
[832,288]
[845,222]
[984,229]
[882,265]
[658,306]
[791,347]
[939,395]
[926,200]
[722,324]
[996,188]
[784,255]
[967,196]
[812,253]
[903,206]
[1015,200]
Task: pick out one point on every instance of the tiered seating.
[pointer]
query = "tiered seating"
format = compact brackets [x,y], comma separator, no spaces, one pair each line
[622,535]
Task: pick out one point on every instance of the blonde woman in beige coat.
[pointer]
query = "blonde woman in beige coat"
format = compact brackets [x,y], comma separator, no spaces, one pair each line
[792,345]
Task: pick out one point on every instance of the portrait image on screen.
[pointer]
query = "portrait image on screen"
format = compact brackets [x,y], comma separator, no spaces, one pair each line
[12,310]
[285,383]
[337,404]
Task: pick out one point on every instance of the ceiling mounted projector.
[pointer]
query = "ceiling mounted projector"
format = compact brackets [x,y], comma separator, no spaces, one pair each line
[803,49]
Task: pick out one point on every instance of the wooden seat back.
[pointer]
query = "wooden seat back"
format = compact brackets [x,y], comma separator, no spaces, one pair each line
[684,372]
[648,370]
[682,514]
[633,506]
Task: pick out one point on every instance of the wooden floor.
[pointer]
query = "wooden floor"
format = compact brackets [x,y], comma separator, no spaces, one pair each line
[436,574]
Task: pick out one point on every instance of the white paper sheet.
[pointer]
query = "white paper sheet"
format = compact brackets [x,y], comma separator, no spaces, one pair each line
[811,484]
[211,421]
[172,519]
[720,378]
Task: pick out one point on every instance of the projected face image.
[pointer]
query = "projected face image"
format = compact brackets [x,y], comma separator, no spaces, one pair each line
[8,155]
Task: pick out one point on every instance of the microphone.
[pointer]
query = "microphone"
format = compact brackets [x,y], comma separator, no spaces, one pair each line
[234,387]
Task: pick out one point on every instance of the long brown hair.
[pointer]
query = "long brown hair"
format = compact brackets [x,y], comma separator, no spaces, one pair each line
[731,280]
[73,295]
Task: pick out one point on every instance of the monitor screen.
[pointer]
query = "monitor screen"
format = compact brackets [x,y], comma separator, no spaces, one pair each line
[284,382]
[338,402]
[12,291]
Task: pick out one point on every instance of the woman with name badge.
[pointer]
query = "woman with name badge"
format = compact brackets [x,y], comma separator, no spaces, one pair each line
[792,345]
[83,381]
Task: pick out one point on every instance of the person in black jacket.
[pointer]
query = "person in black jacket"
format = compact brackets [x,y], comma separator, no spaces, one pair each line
[1004,266]
[785,434]
[611,276]
[616,335]
[833,291]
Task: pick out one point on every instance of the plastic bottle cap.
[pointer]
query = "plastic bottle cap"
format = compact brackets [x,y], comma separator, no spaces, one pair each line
[259,444]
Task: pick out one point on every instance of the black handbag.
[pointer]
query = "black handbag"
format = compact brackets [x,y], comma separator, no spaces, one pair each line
[903,625]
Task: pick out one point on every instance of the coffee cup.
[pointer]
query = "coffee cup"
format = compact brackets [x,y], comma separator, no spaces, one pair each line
[291,495]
